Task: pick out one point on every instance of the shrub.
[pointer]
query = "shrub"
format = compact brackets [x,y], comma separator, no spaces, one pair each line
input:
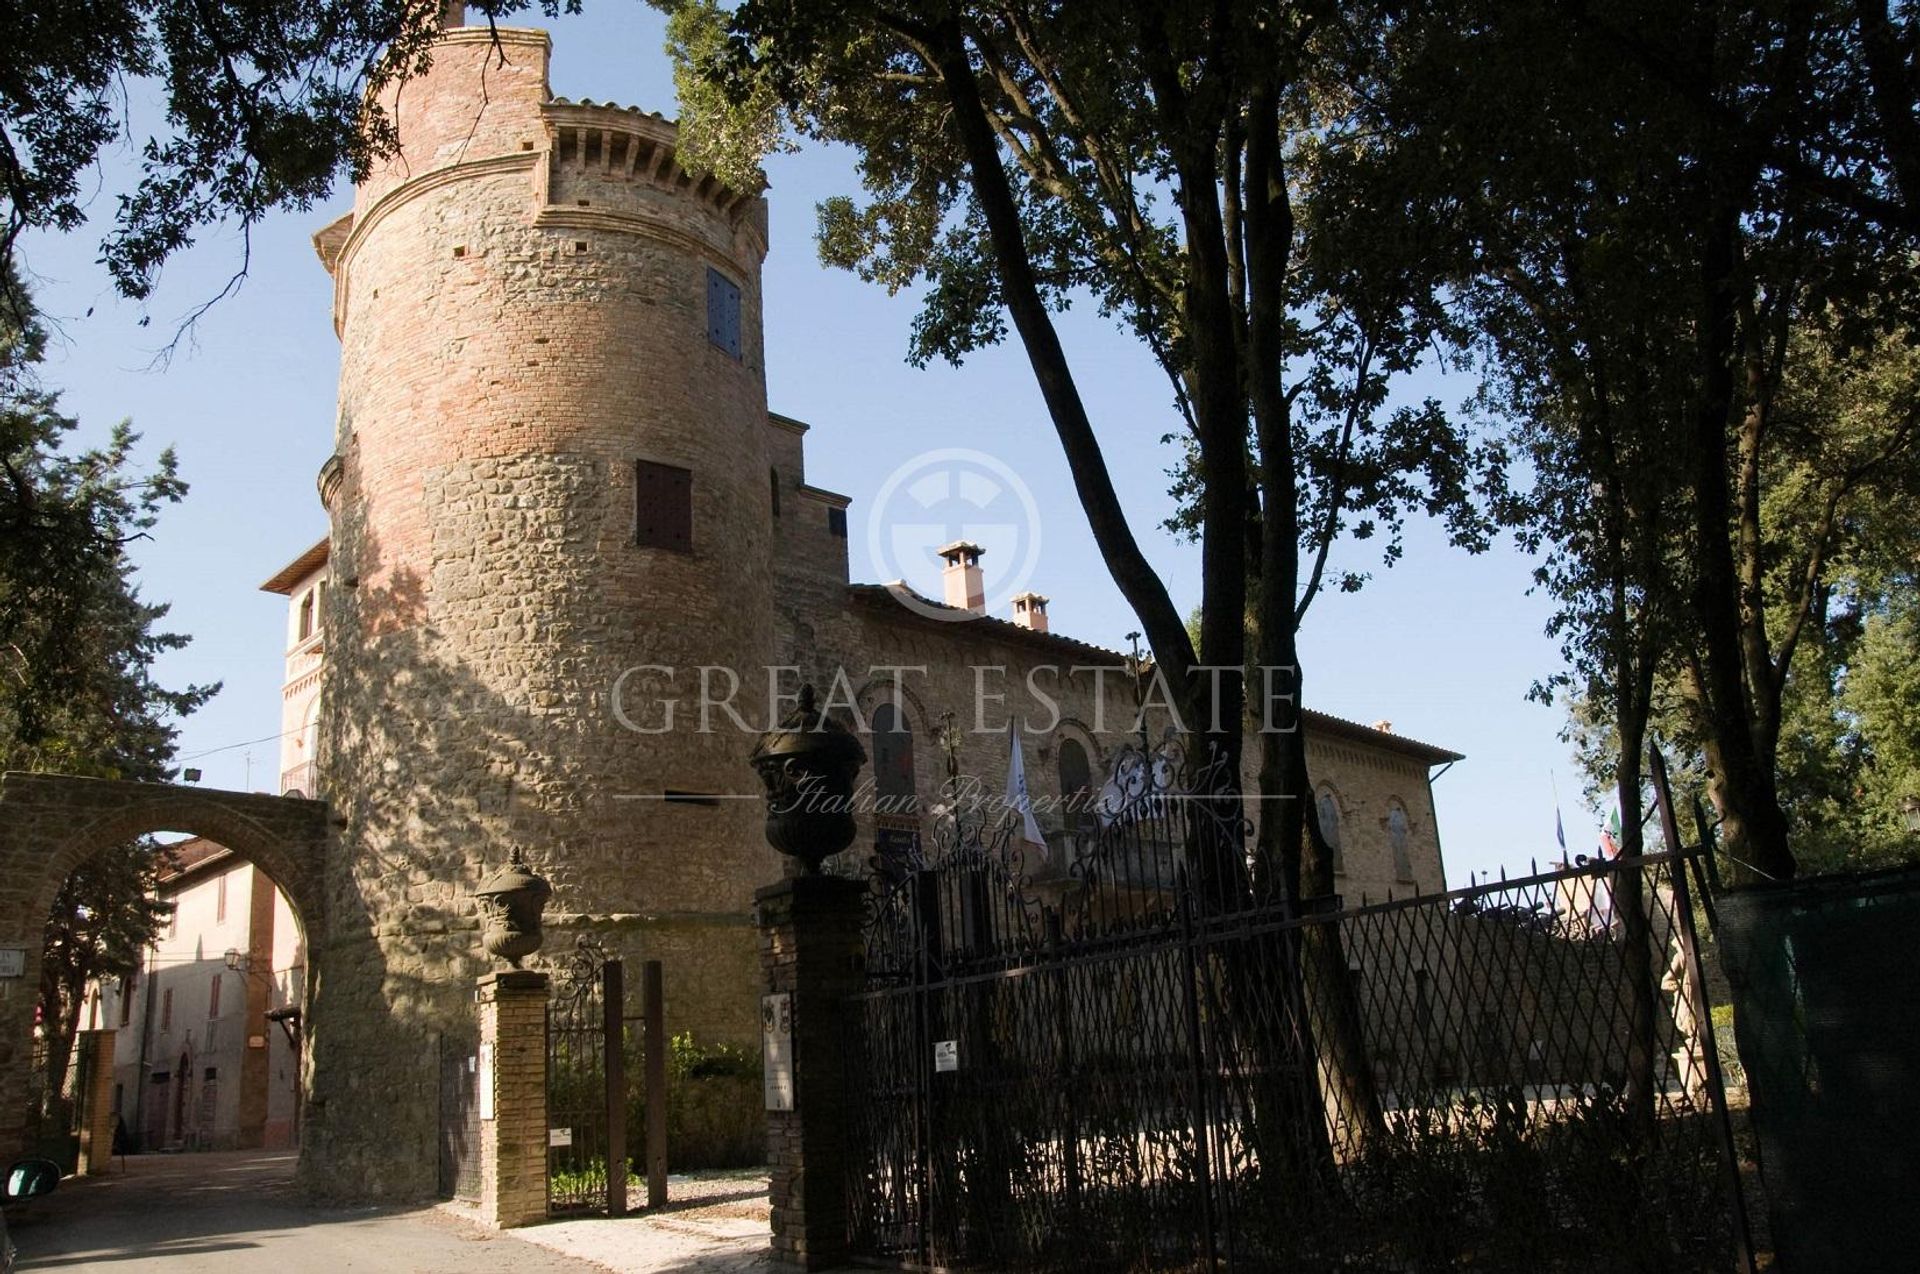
[715,1111]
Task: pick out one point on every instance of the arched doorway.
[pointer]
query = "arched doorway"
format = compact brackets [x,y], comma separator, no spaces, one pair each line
[51,824]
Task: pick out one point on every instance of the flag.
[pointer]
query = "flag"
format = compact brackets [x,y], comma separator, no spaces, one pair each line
[1559,830]
[1610,837]
[1017,795]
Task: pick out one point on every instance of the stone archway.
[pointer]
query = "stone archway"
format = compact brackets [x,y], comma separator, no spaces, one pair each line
[50,823]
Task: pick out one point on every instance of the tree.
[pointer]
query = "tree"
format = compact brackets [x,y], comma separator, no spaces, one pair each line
[1153,156]
[266,103]
[1615,142]
[1838,517]
[77,647]
[65,519]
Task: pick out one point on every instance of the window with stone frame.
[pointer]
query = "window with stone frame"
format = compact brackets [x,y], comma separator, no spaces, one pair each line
[1327,806]
[897,818]
[1399,834]
[662,506]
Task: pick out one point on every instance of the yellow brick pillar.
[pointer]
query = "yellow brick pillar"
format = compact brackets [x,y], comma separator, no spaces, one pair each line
[93,1056]
[513,1098]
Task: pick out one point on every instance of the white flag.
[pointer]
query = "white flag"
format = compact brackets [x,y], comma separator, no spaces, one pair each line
[1017,797]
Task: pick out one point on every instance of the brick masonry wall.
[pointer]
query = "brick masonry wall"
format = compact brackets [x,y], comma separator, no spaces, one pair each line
[513,1144]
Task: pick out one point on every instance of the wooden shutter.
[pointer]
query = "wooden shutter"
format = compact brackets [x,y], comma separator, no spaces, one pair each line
[723,312]
[662,506]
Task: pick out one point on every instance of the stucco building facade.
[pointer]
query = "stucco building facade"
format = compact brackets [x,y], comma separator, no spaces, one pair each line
[202,1060]
[557,505]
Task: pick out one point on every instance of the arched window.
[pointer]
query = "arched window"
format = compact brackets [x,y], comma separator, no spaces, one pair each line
[893,759]
[1398,833]
[1076,783]
[1328,807]
[897,820]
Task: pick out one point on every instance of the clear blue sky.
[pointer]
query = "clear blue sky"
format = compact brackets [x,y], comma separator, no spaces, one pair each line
[1443,645]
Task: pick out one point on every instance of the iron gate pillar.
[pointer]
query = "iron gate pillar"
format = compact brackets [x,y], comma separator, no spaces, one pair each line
[810,954]
[513,1098]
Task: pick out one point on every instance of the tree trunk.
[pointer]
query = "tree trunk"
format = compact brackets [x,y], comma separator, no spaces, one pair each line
[1132,573]
[1755,827]
[1289,834]
[1890,81]
[1630,903]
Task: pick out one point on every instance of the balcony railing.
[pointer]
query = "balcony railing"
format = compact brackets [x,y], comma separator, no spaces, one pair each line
[300,780]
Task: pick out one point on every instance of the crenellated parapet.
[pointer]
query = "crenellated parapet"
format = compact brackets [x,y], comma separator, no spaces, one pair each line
[484,110]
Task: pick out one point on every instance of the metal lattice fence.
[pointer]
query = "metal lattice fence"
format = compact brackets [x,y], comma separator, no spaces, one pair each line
[1137,1060]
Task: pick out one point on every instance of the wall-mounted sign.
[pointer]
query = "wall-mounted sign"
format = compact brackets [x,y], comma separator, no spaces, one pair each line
[13,962]
[559,1136]
[484,1063]
[776,1049]
[256,1041]
[946,1055]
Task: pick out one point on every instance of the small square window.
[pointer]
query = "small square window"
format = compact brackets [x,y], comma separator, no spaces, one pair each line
[662,506]
[723,312]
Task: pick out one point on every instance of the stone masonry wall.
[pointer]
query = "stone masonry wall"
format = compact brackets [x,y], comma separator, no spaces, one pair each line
[522,304]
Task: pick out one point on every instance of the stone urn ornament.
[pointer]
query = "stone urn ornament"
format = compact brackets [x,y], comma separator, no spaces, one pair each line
[808,763]
[511,901]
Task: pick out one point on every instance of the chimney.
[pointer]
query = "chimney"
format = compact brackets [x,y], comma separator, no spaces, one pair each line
[966,588]
[1030,611]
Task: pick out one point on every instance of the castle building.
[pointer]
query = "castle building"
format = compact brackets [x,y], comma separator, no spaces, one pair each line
[567,542]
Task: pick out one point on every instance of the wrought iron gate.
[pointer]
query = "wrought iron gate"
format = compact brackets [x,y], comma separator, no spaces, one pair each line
[586,1085]
[1143,1058]
[459,1118]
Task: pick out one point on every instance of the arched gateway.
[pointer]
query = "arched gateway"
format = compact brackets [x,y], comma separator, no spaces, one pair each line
[50,823]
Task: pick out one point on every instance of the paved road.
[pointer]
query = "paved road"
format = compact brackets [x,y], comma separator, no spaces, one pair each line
[237,1212]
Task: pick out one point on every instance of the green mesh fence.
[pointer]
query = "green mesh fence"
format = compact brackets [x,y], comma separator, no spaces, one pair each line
[1826,988]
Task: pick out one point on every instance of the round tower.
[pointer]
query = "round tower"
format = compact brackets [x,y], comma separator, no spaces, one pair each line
[550,470]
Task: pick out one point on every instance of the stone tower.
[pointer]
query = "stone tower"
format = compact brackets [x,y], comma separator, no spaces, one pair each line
[550,468]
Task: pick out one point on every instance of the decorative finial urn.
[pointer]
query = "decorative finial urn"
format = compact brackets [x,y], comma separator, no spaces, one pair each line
[511,901]
[809,763]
